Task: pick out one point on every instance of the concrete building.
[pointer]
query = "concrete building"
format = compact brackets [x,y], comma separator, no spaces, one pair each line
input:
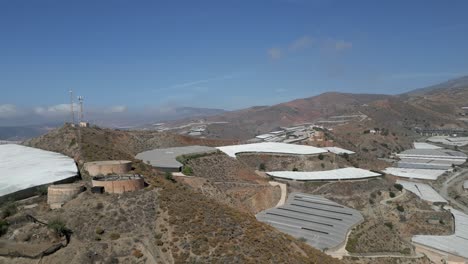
[119,183]
[96,168]
[84,124]
[58,195]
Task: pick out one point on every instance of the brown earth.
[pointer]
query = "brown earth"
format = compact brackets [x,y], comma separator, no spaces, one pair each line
[167,222]
[273,162]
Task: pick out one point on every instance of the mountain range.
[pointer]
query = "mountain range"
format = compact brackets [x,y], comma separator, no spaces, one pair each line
[435,106]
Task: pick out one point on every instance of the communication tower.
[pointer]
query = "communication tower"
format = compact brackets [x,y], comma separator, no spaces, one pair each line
[80,100]
[71,107]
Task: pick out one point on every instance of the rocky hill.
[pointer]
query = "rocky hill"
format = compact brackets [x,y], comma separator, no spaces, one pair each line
[102,143]
[167,222]
[436,106]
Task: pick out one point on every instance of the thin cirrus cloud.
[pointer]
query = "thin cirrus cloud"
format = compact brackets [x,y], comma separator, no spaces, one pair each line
[306,42]
[8,110]
[301,43]
[196,83]
[274,53]
[341,45]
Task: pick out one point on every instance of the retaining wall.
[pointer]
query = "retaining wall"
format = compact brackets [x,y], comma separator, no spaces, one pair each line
[119,183]
[96,168]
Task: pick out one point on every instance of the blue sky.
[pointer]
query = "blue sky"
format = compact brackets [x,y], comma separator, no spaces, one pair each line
[124,55]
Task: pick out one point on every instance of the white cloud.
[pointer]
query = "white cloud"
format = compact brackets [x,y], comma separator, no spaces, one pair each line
[301,43]
[117,109]
[8,110]
[55,110]
[274,53]
[341,45]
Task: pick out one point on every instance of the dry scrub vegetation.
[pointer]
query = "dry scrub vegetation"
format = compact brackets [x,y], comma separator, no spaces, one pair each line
[271,162]
[167,222]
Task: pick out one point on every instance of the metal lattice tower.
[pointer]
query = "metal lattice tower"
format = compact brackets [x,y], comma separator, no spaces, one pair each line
[81,99]
[71,107]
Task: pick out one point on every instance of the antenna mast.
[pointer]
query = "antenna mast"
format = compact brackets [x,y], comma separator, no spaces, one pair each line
[81,99]
[71,107]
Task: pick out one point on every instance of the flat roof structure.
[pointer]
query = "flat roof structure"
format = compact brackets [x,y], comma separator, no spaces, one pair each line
[455,244]
[423,145]
[271,147]
[329,175]
[424,174]
[465,185]
[450,141]
[424,191]
[265,136]
[165,158]
[425,164]
[323,223]
[439,154]
[24,167]
[339,151]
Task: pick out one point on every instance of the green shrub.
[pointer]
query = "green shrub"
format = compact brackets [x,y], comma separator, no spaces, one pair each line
[262,167]
[137,253]
[187,170]
[398,186]
[3,227]
[406,251]
[321,156]
[389,225]
[400,208]
[42,190]
[392,195]
[345,156]
[9,209]
[114,236]
[58,226]
[99,231]
[295,169]
[72,142]
[168,176]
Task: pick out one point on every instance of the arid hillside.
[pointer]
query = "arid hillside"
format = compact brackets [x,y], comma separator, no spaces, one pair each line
[247,123]
[438,106]
[100,143]
[167,222]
